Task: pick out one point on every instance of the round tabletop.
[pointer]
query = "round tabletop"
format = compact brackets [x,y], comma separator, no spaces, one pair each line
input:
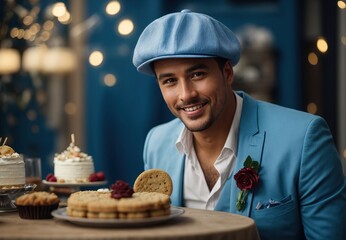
[192,224]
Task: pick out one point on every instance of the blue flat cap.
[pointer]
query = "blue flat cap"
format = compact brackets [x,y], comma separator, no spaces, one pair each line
[184,34]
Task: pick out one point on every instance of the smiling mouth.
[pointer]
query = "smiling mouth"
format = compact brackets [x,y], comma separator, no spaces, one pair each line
[193,108]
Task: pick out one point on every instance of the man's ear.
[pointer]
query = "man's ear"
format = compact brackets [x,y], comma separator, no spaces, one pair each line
[228,71]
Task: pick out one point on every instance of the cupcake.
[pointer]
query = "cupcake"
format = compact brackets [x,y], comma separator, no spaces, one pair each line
[37,205]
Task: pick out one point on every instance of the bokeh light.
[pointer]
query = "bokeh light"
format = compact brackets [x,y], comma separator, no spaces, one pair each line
[322,45]
[312,108]
[109,80]
[125,27]
[312,58]
[96,58]
[113,7]
[70,108]
[59,9]
[341,4]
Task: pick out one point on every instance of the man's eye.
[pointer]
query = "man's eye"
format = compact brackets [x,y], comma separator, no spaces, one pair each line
[197,75]
[168,81]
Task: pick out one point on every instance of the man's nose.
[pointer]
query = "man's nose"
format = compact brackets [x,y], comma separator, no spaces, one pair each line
[187,90]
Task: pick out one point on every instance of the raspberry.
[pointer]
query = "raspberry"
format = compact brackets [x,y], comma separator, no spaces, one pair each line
[121,189]
[51,178]
[93,177]
[100,176]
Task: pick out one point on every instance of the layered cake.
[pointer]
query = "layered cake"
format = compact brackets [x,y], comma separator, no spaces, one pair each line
[119,203]
[72,165]
[12,170]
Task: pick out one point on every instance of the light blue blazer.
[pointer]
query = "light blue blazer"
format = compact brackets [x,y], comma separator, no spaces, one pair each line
[300,167]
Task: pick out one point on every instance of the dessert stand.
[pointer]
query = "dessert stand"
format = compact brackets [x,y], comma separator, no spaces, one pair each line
[8,196]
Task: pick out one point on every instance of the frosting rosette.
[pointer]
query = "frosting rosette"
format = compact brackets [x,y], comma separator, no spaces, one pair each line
[72,154]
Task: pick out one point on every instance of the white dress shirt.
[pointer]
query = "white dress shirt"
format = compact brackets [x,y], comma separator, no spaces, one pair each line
[196,191]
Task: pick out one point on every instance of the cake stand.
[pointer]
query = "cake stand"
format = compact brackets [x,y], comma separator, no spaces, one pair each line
[64,190]
[8,196]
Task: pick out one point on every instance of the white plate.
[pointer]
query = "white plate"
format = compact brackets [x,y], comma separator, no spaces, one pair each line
[61,214]
[86,184]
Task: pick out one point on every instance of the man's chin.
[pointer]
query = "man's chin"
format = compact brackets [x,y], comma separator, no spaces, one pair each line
[194,126]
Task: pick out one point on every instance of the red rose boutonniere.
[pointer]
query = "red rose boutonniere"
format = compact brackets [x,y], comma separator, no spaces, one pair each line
[247,178]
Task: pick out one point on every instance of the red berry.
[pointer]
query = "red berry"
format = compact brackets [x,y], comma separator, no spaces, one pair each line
[93,177]
[100,176]
[52,179]
[49,176]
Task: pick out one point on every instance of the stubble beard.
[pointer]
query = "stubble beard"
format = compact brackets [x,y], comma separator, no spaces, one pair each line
[197,127]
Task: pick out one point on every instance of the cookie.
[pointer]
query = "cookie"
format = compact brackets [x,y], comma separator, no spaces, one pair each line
[93,204]
[143,201]
[154,180]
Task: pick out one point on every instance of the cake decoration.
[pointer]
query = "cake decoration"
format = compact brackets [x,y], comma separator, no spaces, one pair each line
[121,189]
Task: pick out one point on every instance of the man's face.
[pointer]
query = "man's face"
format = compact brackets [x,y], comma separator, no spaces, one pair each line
[195,90]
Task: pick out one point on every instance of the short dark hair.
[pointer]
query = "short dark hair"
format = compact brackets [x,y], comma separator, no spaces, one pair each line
[221,62]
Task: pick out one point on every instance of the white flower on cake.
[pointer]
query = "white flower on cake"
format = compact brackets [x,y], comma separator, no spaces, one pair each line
[72,154]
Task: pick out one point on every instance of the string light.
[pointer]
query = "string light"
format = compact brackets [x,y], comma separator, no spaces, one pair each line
[312,108]
[59,9]
[341,4]
[96,58]
[65,19]
[28,20]
[113,7]
[125,27]
[312,58]
[109,80]
[48,25]
[70,108]
[322,45]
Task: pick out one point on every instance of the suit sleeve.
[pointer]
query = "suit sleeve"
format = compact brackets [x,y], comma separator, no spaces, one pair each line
[322,185]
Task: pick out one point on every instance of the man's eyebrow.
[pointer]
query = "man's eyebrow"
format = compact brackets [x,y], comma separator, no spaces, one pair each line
[164,75]
[196,67]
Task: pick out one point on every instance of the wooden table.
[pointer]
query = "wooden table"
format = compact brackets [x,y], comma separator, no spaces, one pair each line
[192,224]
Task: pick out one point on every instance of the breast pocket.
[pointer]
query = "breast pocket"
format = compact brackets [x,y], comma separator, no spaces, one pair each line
[279,222]
[285,206]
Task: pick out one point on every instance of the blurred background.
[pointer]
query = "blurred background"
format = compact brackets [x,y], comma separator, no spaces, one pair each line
[66,68]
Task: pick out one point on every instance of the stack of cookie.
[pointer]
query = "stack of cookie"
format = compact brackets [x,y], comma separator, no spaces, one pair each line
[151,198]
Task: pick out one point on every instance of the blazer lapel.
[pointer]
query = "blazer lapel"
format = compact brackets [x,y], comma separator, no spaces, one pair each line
[250,142]
[176,172]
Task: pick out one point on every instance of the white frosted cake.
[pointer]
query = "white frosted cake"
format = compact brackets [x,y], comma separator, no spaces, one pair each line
[12,170]
[73,166]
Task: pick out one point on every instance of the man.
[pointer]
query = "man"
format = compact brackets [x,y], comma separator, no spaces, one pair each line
[229,152]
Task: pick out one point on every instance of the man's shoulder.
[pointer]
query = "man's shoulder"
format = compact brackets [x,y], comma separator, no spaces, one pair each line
[168,130]
[275,110]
